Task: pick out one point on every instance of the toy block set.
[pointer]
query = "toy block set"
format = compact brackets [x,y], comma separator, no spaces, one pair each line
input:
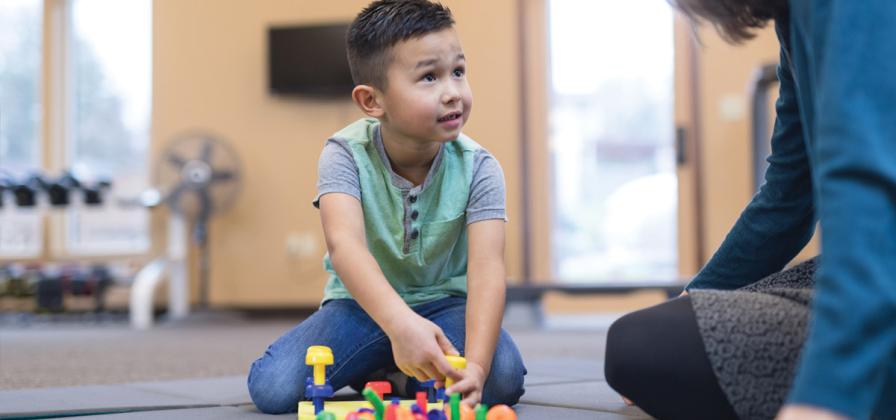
[431,404]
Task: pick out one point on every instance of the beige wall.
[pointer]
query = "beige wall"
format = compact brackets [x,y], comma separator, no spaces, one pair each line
[209,73]
[725,73]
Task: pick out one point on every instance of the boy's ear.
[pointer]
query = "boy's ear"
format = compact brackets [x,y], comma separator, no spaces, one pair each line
[367,98]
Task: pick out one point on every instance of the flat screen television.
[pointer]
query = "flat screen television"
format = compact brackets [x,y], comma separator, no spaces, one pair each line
[309,60]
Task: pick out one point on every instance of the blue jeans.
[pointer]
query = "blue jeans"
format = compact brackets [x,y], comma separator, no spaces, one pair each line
[360,348]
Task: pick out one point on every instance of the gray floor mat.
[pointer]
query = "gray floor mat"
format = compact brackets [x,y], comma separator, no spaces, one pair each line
[592,395]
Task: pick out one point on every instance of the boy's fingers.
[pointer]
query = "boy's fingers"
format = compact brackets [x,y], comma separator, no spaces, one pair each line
[408,371]
[430,371]
[462,386]
[420,374]
[446,345]
[472,399]
[441,363]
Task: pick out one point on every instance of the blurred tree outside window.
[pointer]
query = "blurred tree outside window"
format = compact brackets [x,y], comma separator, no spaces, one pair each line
[110,80]
[106,85]
[614,183]
[20,120]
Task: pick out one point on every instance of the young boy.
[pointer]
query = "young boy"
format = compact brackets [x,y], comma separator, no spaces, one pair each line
[413,213]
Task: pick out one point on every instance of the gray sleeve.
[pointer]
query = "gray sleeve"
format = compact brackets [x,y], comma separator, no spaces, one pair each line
[337,171]
[487,191]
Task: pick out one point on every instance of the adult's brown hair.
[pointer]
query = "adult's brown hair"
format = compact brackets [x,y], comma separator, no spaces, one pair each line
[735,20]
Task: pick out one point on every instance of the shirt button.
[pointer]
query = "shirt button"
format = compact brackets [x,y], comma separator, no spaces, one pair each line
[415,233]
[414,215]
[412,198]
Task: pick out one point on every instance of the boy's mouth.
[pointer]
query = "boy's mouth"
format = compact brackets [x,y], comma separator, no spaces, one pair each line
[451,116]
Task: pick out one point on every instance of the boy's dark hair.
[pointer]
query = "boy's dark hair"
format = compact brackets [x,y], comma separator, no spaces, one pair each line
[381,25]
[735,20]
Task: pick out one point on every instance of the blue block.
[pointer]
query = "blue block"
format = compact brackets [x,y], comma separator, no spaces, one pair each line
[317,393]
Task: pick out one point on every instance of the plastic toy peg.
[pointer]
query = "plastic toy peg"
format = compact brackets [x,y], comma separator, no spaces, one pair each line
[455,406]
[320,357]
[430,387]
[325,415]
[501,412]
[458,363]
[392,409]
[481,411]
[380,387]
[421,401]
[377,403]
[405,413]
[436,415]
[440,394]
[360,415]
[465,412]
[318,388]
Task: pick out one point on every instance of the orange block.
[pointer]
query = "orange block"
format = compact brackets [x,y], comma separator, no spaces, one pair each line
[500,412]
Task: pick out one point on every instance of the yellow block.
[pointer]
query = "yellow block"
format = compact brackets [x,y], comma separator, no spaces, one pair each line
[456,362]
[341,408]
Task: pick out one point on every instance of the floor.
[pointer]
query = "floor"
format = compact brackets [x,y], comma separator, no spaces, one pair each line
[196,369]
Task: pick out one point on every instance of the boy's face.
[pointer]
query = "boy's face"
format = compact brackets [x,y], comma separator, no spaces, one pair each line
[427,97]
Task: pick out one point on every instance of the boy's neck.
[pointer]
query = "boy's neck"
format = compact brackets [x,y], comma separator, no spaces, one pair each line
[410,158]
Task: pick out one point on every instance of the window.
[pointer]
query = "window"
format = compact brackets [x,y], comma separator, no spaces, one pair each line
[20,118]
[109,85]
[97,120]
[611,140]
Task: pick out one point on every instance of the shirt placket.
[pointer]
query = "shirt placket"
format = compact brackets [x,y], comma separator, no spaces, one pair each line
[411,217]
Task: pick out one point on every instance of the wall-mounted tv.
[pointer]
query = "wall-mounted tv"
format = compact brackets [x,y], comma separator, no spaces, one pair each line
[309,60]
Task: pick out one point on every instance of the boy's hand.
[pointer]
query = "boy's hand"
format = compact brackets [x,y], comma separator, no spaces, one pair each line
[471,384]
[419,347]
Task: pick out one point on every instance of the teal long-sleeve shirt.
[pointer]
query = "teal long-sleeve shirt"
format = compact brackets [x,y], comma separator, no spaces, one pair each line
[833,161]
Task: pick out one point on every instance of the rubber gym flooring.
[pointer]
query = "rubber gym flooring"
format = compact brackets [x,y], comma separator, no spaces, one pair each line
[98,368]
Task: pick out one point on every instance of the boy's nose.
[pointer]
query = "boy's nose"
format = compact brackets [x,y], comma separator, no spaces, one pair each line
[450,94]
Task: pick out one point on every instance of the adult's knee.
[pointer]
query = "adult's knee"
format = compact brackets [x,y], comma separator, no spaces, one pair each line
[622,361]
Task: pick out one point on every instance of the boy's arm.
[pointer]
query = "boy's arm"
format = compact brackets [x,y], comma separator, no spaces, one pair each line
[418,344]
[486,289]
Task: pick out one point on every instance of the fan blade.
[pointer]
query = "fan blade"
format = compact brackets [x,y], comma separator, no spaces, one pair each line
[173,197]
[176,160]
[206,153]
[223,176]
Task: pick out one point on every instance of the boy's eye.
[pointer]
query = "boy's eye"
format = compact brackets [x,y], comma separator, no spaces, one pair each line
[429,77]
[458,72]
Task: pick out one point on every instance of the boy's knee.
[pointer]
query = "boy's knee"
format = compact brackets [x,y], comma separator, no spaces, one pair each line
[274,400]
[505,381]
[274,392]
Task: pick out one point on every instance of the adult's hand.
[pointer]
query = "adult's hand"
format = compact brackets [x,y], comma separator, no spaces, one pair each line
[806,412]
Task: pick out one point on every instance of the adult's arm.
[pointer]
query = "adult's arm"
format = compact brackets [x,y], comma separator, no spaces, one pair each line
[849,354]
[780,219]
